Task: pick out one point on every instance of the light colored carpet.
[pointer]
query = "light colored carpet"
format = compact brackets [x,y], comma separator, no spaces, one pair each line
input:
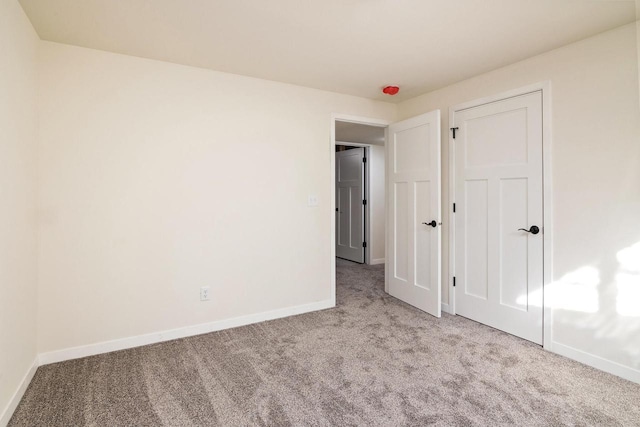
[372,361]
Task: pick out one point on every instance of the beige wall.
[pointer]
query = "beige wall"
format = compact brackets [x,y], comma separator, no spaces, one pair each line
[18,59]
[596,185]
[157,179]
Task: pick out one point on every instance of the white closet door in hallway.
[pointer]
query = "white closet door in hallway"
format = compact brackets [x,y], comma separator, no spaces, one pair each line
[350,198]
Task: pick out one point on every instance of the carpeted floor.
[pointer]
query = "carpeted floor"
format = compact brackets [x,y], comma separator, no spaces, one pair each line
[372,361]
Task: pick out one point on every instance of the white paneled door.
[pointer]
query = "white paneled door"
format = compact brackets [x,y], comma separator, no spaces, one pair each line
[499,213]
[350,204]
[413,215]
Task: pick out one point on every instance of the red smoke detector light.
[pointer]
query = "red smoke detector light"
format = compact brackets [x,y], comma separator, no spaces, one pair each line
[390,90]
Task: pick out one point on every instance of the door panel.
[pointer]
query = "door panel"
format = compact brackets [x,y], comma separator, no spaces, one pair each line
[422,203]
[489,147]
[401,229]
[413,150]
[343,224]
[498,190]
[513,248]
[350,213]
[477,238]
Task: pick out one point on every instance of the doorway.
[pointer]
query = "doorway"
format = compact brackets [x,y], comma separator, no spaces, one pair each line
[410,220]
[367,134]
[359,185]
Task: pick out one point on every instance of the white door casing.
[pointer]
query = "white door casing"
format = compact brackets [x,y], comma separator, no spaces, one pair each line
[499,190]
[349,204]
[414,200]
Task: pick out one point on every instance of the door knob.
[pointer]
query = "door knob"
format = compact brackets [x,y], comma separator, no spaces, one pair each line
[533,230]
[432,223]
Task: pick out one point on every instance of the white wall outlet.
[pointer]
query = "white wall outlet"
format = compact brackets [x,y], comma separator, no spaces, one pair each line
[313,201]
[204,293]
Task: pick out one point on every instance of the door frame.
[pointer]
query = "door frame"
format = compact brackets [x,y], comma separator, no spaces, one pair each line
[547,200]
[332,160]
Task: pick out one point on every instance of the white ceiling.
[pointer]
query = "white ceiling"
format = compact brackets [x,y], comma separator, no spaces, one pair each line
[348,46]
[355,132]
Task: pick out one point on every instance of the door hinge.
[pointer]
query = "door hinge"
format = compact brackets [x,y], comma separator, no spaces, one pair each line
[454,281]
[364,202]
[364,244]
[454,132]
[364,160]
[454,208]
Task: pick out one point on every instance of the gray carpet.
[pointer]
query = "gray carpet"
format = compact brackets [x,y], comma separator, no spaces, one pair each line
[372,361]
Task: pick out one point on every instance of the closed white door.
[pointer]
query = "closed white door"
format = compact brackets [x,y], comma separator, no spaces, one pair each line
[414,228]
[350,204]
[499,213]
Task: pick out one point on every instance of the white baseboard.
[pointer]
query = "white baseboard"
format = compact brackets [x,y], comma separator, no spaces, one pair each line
[17,396]
[172,334]
[445,307]
[377,261]
[597,362]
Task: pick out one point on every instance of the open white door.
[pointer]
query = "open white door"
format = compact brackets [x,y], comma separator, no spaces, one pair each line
[350,204]
[414,224]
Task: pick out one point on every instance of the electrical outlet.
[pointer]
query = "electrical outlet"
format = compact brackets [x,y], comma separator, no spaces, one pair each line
[204,293]
[312,201]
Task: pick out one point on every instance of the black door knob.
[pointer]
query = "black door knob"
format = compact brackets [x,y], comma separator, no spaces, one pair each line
[432,223]
[533,230]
